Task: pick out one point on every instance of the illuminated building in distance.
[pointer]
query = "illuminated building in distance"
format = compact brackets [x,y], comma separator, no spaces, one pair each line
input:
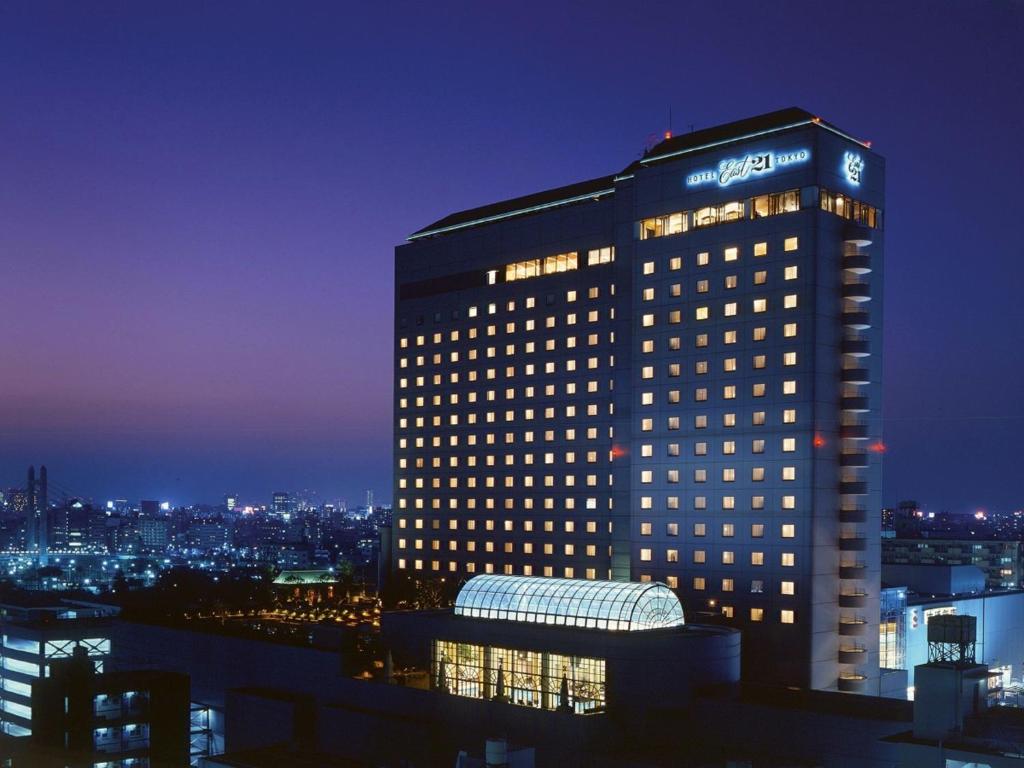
[670,373]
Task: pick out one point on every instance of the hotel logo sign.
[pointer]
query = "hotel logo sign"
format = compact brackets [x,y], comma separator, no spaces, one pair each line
[747,167]
[853,167]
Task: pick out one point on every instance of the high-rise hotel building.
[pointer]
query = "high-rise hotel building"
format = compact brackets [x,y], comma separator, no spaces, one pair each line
[670,373]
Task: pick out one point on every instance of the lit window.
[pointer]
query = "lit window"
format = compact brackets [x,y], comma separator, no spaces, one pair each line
[791,244]
[787,616]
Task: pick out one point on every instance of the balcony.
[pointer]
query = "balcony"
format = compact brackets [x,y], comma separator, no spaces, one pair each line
[857,403]
[858,263]
[853,460]
[855,487]
[856,347]
[852,655]
[857,319]
[854,571]
[852,544]
[852,683]
[856,291]
[853,431]
[858,235]
[853,599]
[853,627]
[857,515]
[855,376]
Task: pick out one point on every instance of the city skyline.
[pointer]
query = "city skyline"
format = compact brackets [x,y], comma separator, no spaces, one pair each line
[189,331]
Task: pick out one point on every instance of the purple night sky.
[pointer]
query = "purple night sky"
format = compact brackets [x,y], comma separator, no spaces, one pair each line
[199,204]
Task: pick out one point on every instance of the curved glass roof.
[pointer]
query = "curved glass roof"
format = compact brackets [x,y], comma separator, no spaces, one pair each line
[612,605]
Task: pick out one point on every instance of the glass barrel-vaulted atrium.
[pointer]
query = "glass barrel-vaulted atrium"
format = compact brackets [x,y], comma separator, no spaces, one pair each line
[571,645]
[538,678]
[609,605]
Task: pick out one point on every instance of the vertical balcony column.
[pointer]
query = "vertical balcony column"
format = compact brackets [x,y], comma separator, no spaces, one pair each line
[854,296]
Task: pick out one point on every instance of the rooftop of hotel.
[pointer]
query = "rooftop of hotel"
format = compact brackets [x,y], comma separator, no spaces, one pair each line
[668,149]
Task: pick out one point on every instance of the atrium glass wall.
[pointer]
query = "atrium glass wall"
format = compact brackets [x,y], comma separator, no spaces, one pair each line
[892,647]
[527,678]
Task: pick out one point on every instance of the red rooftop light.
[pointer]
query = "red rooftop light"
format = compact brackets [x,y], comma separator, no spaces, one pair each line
[819,441]
[878,447]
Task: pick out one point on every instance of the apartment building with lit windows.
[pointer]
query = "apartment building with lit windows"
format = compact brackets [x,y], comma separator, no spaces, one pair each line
[36,633]
[670,373]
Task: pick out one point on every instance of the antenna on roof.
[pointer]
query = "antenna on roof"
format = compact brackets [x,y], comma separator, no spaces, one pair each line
[668,133]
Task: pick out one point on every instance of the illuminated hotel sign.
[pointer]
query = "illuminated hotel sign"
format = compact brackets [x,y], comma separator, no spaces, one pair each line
[747,167]
[853,167]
